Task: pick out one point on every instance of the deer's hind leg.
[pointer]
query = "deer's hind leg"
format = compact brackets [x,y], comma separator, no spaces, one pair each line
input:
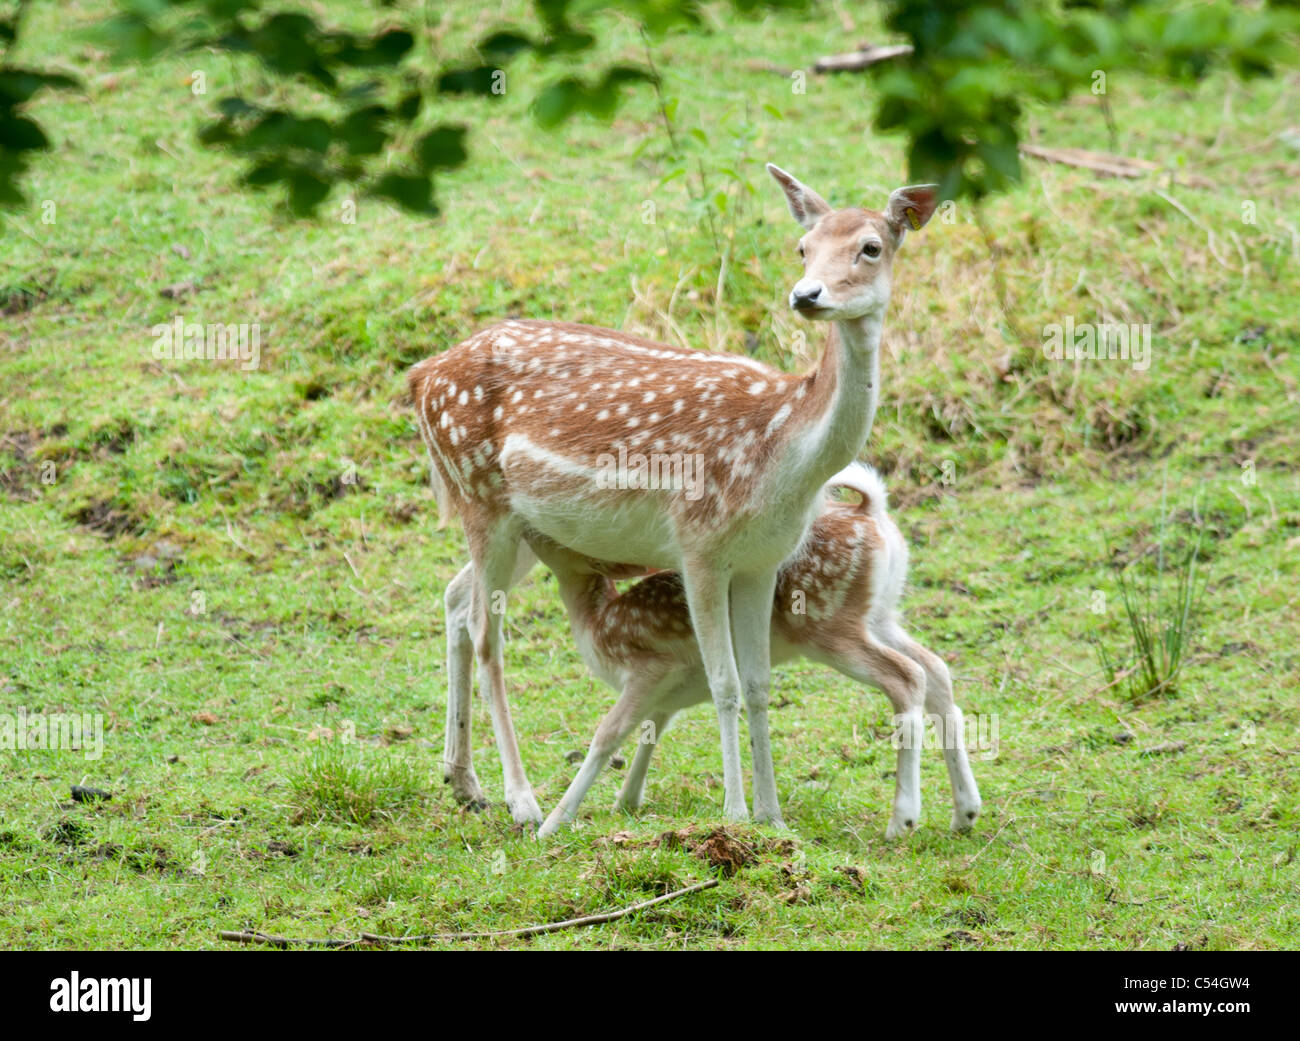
[870,660]
[949,722]
[458,748]
[496,556]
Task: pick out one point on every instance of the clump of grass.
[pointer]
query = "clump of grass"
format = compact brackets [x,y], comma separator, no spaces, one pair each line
[1162,611]
[337,783]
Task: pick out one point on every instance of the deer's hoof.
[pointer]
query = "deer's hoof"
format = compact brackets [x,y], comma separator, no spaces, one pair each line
[466,790]
[899,826]
[524,809]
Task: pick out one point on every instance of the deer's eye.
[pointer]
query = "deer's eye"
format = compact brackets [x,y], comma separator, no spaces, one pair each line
[871,250]
[800,249]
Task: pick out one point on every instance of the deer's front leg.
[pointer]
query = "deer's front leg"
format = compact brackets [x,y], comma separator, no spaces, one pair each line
[632,793]
[751,622]
[611,732]
[707,594]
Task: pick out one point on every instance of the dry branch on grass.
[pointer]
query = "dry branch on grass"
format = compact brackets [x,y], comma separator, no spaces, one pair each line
[1108,165]
[374,940]
[863,58]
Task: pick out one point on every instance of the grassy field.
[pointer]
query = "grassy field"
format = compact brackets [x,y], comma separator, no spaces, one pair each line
[241,571]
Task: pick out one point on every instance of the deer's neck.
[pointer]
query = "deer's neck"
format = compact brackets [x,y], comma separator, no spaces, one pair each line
[840,398]
[584,595]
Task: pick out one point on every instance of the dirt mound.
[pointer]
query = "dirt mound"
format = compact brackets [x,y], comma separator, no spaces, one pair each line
[722,849]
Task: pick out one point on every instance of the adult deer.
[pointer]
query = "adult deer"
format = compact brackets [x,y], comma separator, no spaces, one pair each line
[836,603]
[523,419]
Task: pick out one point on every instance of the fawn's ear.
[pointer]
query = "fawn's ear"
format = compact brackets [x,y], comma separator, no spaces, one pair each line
[910,209]
[806,206]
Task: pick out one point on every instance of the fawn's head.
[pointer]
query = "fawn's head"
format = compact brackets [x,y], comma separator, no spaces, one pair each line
[847,254]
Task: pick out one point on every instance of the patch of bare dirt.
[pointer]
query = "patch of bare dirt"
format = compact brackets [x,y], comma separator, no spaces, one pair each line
[106,517]
[721,849]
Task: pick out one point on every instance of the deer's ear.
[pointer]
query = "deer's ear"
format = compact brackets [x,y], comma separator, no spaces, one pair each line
[806,206]
[910,209]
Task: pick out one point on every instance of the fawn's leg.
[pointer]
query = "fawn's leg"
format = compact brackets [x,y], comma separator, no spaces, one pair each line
[616,725]
[649,732]
[870,661]
[707,595]
[751,630]
[495,559]
[952,726]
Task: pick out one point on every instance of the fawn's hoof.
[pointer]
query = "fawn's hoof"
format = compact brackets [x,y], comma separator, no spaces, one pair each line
[551,825]
[964,817]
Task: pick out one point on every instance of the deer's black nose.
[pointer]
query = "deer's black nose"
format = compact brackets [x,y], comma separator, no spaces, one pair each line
[803,296]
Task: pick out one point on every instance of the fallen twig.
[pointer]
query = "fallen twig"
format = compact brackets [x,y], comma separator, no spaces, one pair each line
[372,939]
[1109,165]
[855,61]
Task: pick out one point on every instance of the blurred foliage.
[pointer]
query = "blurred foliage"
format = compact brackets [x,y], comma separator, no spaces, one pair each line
[361,119]
[20,135]
[353,105]
[961,95]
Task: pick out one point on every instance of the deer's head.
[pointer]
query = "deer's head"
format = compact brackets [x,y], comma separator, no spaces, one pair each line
[847,254]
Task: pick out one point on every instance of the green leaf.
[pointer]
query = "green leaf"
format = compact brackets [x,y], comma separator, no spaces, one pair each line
[306,192]
[19,85]
[409,107]
[475,79]
[556,102]
[502,46]
[410,192]
[362,132]
[390,47]
[266,173]
[20,134]
[443,148]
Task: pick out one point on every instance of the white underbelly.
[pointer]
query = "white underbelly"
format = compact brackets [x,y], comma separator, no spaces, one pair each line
[633,531]
[580,508]
[575,504]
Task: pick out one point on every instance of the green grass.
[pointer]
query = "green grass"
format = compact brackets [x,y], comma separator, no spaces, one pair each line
[183,549]
[1162,606]
[337,785]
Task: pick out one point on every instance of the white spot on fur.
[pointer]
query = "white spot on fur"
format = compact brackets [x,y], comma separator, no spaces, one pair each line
[782,414]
